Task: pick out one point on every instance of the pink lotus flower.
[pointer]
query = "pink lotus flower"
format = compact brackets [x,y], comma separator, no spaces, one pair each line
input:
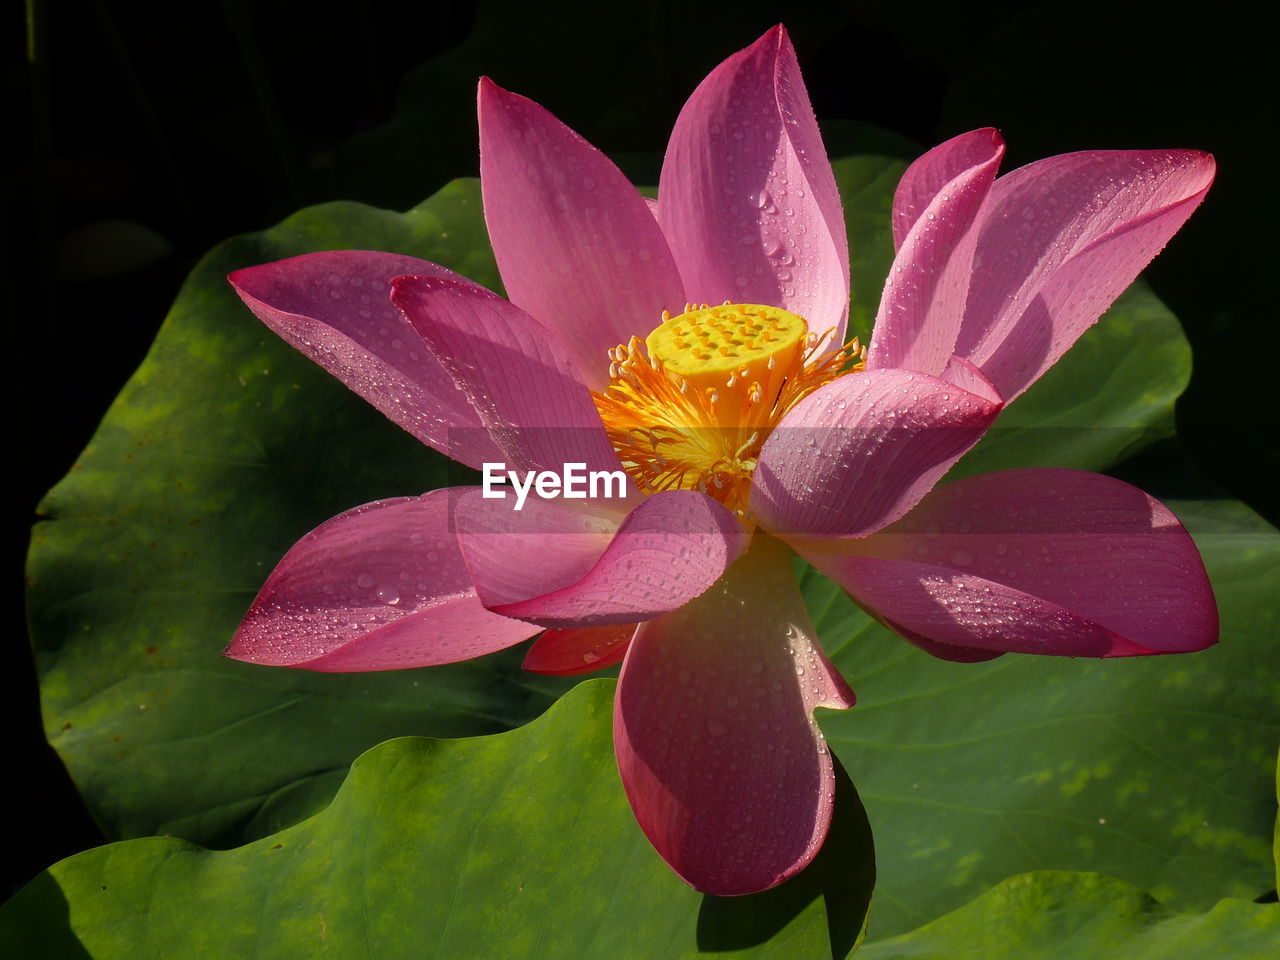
[745,434]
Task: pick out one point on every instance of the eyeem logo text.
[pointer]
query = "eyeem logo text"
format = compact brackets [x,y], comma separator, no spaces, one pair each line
[575,483]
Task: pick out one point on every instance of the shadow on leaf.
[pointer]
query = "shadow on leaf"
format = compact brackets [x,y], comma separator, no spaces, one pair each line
[842,875]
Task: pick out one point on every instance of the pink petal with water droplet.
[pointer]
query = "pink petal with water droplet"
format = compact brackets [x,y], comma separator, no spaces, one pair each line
[932,172]
[970,379]
[1047,560]
[727,773]
[922,305]
[861,451]
[576,245]
[380,587]
[546,565]
[671,548]
[747,198]
[335,307]
[516,373]
[514,555]
[1058,241]
[567,653]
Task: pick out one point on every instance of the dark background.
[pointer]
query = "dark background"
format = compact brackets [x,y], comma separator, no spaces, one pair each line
[146,133]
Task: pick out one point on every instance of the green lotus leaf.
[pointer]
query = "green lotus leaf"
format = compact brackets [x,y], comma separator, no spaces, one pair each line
[1085,916]
[517,845]
[1154,770]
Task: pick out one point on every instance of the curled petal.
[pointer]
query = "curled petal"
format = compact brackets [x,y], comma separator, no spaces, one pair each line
[514,555]
[747,198]
[335,307]
[566,653]
[859,453]
[1058,241]
[667,551]
[670,549]
[517,374]
[1045,561]
[380,587]
[937,203]
[726,771]
[933,172]
[576,244]
[970,379]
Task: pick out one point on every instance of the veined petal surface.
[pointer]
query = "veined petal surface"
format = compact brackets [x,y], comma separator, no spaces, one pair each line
[747,198]
[1058,241]
[515,555]
[932,172]
[668,550]
[517,374]
[380,587]
[1042,560]
[860,452]
[577,246]
[721,759]
[937,203]
[335,308]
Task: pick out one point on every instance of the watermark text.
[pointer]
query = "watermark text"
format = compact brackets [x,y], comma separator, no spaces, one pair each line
[575,482]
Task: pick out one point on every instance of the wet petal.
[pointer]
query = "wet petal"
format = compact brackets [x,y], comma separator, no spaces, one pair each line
[1058,241]
[860,452]
[380,587]
[938,201]
[335,307]
[747,198]
[667,551]
[576,244]
[931,173]
[566,653]
[726,771]
[1045,561]
[514,555]
[516,373]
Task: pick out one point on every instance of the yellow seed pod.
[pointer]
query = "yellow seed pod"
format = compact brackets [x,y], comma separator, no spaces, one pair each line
[712,346]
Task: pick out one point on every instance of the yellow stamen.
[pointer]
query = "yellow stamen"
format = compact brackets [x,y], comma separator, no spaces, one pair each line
[708,438]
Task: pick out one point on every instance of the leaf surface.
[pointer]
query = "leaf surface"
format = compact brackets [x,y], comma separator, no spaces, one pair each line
[517,845]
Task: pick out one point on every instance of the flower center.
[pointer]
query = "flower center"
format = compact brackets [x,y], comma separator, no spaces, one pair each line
[690,406]
[733,352]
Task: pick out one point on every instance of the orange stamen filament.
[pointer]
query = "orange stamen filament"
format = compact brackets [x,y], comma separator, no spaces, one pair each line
[671,437]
